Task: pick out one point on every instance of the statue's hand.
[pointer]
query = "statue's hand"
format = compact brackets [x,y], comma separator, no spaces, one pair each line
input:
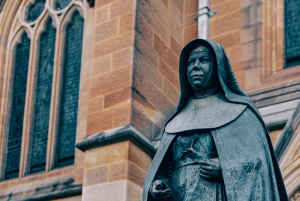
[159,191]
[211,169]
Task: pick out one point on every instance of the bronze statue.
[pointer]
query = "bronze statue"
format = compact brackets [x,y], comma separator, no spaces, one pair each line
[215,146]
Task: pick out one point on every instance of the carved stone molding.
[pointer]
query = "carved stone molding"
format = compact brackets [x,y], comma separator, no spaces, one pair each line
[119,134]
[42,190]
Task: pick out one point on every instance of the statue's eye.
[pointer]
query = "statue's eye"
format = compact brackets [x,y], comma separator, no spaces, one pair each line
[191,62]
[204,60]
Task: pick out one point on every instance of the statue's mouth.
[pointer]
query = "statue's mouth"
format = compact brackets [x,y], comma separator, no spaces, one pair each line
[197,76]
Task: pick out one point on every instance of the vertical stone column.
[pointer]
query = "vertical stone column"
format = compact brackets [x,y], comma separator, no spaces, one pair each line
[115,168]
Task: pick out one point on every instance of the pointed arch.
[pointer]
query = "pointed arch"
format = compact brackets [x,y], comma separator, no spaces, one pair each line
[42,99]
[61,4]
[16,118]
[69,91]
[34,10]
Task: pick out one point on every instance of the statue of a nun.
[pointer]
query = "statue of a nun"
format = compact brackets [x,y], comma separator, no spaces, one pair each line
[215,146]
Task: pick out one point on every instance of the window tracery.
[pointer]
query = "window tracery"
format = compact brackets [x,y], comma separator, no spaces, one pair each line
[45,129]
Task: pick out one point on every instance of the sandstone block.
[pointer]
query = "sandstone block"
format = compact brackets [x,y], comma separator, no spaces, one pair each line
[120,7]
[175,46]
[168,73]
[170,91]
[142,123]
[113,44]
[251,33]
[190,33]
[165,53]
[190,6]
[138,157]
[154,22]
[143,29]
[100,3]
[122,115]
[165,2]
[102,65]
[145,49]
[111,191]
[95,175]
[226,7]
[105,155]
[115,98]
[100,121]
[189,20]
[122,58]
[110,82]
[134,192]
[126,23]
[160,101]
[222,25]
[228,40]
[95,105]
[176,12]
[142,67]
[118,171]
[136,175]
[102,14]
[179,4]
[106,30]
[167,19]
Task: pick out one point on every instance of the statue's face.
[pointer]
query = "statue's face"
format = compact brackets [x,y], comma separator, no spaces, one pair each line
[199,67]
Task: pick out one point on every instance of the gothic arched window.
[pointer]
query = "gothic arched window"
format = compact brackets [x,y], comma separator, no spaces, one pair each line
[42,98]
[69,91]
[45,68]
[17,106]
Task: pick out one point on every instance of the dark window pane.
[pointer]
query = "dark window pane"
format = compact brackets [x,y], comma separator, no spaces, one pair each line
[34,10]
[69,92]
[292,32]
[60,4]
[41,110]
[18,94]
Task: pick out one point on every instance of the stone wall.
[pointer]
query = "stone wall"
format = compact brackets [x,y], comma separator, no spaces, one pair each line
[158,41]
[110,86]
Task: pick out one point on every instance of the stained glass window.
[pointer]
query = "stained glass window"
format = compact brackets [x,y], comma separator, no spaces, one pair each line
[43,88]
[292,33]
[69,92]
[34,10]
[60,4]
[18,94]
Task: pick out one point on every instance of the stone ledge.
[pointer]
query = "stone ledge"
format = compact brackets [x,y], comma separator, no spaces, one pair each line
[276,116]
[287,133]
[41,190]
[280,93]
[119,134]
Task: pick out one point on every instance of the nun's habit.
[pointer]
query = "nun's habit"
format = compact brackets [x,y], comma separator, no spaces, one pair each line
[226,125]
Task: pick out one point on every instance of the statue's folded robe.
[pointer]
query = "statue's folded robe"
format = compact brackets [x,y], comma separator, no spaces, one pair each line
[245,154]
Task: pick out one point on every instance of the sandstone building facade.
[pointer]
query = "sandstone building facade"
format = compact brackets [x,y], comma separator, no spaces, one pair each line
[103,74]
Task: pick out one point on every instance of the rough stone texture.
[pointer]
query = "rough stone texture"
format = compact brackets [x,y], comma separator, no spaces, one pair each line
[158,41]
[112,191]
[106,155]
[118,171]
[96,175]
[134,192]
[41,190]
[108,167]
